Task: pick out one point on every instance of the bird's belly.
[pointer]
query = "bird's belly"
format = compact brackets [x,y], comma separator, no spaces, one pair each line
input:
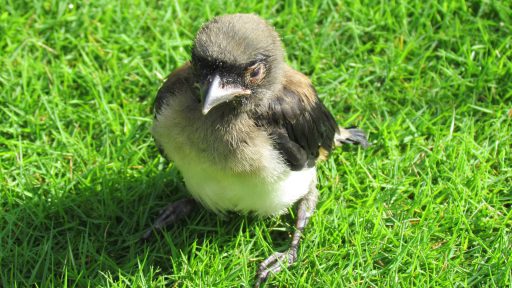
[245,174]
[258,193]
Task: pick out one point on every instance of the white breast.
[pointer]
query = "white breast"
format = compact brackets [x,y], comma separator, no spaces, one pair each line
[256,179]
[227,191]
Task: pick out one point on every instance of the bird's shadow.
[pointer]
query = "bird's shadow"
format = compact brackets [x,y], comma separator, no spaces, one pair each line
[94,230]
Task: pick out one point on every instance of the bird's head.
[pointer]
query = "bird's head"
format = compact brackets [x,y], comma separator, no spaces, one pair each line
[237,59]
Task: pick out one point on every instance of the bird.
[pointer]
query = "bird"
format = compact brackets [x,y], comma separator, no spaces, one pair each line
[245,130]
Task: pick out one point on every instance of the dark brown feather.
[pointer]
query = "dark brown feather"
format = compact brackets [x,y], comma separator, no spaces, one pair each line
[179,77]
[299,123]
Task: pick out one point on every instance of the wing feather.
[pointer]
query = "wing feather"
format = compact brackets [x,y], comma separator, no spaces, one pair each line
[299,123]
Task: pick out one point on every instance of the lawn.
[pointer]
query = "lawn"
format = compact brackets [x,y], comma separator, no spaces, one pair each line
[428,204]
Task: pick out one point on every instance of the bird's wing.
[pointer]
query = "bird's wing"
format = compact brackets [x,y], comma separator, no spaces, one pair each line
[301,126]
[178,81]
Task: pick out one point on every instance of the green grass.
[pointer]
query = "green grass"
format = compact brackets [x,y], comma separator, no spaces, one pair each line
[429,204]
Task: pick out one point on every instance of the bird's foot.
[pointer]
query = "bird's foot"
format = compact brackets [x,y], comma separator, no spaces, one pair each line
[274,264]
[169,215]
[351,136]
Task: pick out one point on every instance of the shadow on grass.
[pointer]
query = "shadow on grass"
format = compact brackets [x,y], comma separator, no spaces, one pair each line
[91,233]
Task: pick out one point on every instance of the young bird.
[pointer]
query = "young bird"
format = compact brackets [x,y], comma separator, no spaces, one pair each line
[244,129]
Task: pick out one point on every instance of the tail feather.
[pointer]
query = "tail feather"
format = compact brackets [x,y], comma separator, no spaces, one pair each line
[351,136]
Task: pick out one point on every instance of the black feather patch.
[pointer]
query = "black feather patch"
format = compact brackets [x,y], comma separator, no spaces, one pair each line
[176,81]
[160,99]
[299,129]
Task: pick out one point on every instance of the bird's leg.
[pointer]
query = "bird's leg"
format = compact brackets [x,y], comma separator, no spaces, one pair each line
[278,260]
[351,136]
[169,215]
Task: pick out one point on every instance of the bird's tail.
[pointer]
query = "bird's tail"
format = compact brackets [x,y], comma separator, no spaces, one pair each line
[351,136]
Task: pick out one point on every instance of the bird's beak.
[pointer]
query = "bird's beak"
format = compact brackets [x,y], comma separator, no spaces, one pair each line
[220,92]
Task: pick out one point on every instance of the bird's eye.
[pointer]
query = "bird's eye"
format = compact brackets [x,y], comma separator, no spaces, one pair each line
[255,73]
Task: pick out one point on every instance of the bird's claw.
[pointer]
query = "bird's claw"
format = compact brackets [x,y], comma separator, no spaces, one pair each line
[169,215]
[274,264]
